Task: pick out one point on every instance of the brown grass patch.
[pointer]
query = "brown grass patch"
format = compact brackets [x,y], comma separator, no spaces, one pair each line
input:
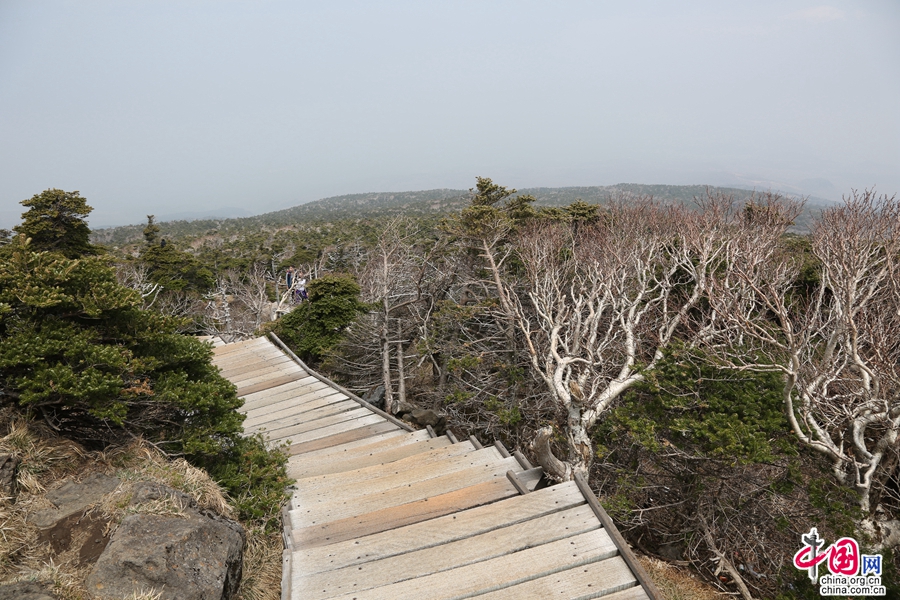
[262,567]
[678,583]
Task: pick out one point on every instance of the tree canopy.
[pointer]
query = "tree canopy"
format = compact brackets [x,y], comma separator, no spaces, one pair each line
[55,221]
[77,350]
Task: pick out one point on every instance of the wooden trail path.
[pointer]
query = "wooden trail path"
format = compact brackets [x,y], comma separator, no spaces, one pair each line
[382,511]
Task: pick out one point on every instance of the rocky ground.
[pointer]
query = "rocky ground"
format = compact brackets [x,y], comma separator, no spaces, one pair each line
[125,523]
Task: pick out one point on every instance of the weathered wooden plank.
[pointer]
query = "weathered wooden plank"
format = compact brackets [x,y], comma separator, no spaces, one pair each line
[237,370]
[324,417]
[308,420]
[293,399]
[255,345]
[497,573]
[308,513]
[307,468]
[289,391]
[338,406]
[498,542]
[599,579]
[267,373]
[238,359]
[377,521]
[343,437]
[323,432]
[271,383]
[441,530]
[247,358]
[335,458]
[345,420]
[375,479]
[411,467]
[297,411]
[237,346]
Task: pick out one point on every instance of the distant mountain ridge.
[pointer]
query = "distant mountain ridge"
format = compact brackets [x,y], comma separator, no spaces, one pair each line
[423,203]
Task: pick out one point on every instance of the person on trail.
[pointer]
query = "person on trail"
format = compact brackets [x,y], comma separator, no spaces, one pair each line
[289,277]
[301,288]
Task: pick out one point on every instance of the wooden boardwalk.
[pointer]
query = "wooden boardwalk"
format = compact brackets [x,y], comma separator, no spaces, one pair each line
[381,511]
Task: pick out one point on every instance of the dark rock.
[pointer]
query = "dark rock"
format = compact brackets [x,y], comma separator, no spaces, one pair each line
[25,590]
[186,557]
[405,408]
[375,396]
[426,416]
[73,497]
[9,466]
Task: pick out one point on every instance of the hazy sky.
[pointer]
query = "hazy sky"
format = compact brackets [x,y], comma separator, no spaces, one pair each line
[164,107]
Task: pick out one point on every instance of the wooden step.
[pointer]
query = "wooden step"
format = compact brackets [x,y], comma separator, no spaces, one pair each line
[370,458]
[293,412]
[497,573]
[266,374]
[293,391]
[470,550]
[342,437]
[309,513]
[231,371]
[441,530]
[338,428]
[297,430]
[332,459]
[271,382]
[369,480]
[261,371]
[358,526]
[241,359]
[241,346]
[603,579]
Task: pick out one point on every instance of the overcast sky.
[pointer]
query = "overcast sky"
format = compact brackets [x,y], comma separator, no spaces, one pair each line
[166,107]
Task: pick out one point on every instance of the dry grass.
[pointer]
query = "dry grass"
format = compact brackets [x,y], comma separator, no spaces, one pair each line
[47,460]
[678,583]
[262,567]
[140,461]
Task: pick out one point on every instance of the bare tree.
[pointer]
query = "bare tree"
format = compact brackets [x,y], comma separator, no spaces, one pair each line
[392,279]
[239,304]
[834,340]
[137,277]
[603,301]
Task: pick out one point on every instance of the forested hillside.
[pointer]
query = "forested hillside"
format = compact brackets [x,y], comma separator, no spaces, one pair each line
[427,203]
[719,364]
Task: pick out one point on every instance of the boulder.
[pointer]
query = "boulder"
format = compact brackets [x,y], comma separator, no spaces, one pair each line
[73,497]
[195,555]
[375,396]
[25,590]
[426,416]
[405,408]
[148,491]
[422,417]
[9,466]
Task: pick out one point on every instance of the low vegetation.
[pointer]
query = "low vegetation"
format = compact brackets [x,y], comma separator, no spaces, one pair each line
[719,363]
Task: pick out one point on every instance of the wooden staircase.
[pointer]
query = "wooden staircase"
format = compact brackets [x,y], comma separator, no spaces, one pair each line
[380,511]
